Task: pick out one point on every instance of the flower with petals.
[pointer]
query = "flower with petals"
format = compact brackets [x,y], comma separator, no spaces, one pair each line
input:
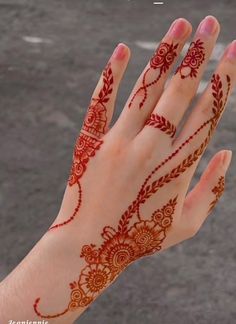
[118,252]
[147,236]
[96,119]
[94,278]
[163,57]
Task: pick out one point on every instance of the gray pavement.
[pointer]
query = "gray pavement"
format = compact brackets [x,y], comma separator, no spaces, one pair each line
[51,54]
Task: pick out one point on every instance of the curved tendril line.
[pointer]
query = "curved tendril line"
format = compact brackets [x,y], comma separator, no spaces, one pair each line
[47,316]
[74,212]
[144,87]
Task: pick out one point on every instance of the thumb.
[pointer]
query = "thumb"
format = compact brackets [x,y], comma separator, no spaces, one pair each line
[204,196]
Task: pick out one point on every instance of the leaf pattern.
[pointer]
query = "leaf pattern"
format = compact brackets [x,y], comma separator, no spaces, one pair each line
[162,123]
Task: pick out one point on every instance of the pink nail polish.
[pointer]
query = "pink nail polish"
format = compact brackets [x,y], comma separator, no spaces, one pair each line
[207,26]
[231,52]
[226,158]
[178,28]
[119,52]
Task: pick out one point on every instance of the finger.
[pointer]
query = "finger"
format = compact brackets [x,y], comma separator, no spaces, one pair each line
[202,199]
[202,122]
[150,84]
[101,108]
[183,85]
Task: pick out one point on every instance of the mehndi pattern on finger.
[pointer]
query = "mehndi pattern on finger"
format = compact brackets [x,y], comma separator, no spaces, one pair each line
[192,60]
[217,191]
[217,109]
[89,141]
[145,234]
[160,63]
[161,123]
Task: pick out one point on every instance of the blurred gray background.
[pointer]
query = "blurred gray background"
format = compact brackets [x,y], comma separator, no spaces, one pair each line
[51,55]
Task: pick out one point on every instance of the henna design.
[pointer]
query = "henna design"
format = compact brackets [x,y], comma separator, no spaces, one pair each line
[85,148]
[125,244]
[96,119]
[117,251]
[74,212]
[217,109]
[162,123]
[192,61]
[89,141]
[217,191]
[161,61]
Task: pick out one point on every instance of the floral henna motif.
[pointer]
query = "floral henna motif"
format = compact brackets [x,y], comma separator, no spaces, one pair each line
[161,61]
[192,61]
[161,123]
[96,120]
[85,147]
[89,141]
[94,126]
[118,250]
[217,191]
[127,243]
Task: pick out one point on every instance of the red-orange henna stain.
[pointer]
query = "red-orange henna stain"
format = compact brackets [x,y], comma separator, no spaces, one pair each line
[120,247]
[161,61]
[88,142]
[217,191]
[125,244]
[218,106]
[161,123]
[192,61]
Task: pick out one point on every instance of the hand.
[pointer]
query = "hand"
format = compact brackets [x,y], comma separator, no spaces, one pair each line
[129,183]
[127,192]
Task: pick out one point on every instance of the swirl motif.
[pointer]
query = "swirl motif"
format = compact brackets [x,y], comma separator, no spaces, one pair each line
[192,61]
[163,57]
[96,120]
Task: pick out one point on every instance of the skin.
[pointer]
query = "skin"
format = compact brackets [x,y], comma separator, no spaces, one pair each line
[118,173]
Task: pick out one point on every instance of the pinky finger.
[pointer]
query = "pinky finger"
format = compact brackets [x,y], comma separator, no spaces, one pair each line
[202,199]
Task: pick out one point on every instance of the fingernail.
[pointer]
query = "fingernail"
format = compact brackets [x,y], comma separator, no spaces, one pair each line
[207,26]
[119,52]
[231,52]
[226,158]
[178,28]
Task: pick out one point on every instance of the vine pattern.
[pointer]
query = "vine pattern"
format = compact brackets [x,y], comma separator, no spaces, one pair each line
[126,243]
[161,61]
